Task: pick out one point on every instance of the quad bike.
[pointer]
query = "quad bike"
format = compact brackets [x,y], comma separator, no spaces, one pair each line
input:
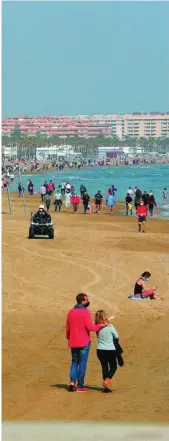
[41,225]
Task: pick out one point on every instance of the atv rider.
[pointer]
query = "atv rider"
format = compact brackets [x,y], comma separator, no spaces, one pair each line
[42,214]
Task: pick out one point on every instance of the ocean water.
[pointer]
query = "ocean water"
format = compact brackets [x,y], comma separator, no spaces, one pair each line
[148,177]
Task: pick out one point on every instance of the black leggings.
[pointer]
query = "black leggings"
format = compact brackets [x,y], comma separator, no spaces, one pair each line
[108,362]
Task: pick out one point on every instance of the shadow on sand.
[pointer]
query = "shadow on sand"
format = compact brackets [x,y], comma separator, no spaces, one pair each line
[65,387]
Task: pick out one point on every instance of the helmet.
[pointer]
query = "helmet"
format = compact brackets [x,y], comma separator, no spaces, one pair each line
[41,207]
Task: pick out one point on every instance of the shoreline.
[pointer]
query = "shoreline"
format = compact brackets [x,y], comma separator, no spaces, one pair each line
[54,169]
[85,167]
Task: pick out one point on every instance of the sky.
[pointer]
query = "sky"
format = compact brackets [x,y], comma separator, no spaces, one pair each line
[68,58]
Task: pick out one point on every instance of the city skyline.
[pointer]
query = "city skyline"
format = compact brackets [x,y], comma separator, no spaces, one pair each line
[84,58]
[135,125]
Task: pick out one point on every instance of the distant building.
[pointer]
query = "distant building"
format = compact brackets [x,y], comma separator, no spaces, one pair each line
[110,152]
[133,125]
[58,152]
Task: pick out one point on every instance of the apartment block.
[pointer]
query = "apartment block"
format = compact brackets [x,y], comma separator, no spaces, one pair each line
[133,125]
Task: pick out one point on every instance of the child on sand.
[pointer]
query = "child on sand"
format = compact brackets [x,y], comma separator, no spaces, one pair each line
[107,340]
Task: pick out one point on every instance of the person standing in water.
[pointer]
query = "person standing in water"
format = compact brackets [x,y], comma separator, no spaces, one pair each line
[152,203]
[165,196]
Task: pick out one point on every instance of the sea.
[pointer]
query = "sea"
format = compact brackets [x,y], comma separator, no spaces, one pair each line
[146,177]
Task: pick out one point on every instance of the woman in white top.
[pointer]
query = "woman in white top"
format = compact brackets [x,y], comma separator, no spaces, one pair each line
[107,338]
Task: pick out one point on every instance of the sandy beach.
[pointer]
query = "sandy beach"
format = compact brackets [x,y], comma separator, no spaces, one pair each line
[103,256]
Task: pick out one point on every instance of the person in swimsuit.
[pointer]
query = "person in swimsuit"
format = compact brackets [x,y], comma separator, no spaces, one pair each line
[140,290]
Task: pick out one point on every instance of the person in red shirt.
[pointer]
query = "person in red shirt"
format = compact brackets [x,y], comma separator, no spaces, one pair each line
[141,213]
[78,327]
[75,200]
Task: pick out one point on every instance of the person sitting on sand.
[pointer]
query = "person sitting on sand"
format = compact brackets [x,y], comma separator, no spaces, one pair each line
[140,290]
[108,348]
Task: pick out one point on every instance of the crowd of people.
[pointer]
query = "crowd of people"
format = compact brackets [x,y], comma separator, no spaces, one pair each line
[142,201]
[35,165]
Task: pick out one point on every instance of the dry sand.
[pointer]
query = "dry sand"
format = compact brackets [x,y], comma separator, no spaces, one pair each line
[103,256]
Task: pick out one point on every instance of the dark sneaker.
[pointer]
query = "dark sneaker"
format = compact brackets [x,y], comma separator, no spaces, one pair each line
[107,391]
[71,388]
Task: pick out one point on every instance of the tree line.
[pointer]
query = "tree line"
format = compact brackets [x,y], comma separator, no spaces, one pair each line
[87,146]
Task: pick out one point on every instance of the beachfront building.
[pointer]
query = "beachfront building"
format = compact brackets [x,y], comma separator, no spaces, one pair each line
[110,152]
[10,152]
[57,152]
[139,124]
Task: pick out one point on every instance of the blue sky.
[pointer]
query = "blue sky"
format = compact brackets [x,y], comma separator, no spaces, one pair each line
[83,58]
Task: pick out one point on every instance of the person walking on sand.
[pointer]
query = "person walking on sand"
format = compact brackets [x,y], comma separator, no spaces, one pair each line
[47,201]
[98,201]
[42,192]
[57,200]
[141,213]
[86,199]
[165,196]
[20,189]
[67,199]
[30,188]
[138,195]
[82,190]
[145,198]
[129,206]
[78,327]
[62,187]
[108,349]
[75,200]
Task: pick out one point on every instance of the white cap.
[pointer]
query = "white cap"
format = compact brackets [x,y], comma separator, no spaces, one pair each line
[42,207]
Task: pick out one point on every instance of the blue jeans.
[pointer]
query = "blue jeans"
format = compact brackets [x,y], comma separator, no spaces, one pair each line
[79,364]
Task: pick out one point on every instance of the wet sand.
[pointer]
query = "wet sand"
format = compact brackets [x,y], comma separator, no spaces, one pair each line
[101,255]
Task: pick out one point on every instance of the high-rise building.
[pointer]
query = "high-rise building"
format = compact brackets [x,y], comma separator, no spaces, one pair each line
[134,125]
